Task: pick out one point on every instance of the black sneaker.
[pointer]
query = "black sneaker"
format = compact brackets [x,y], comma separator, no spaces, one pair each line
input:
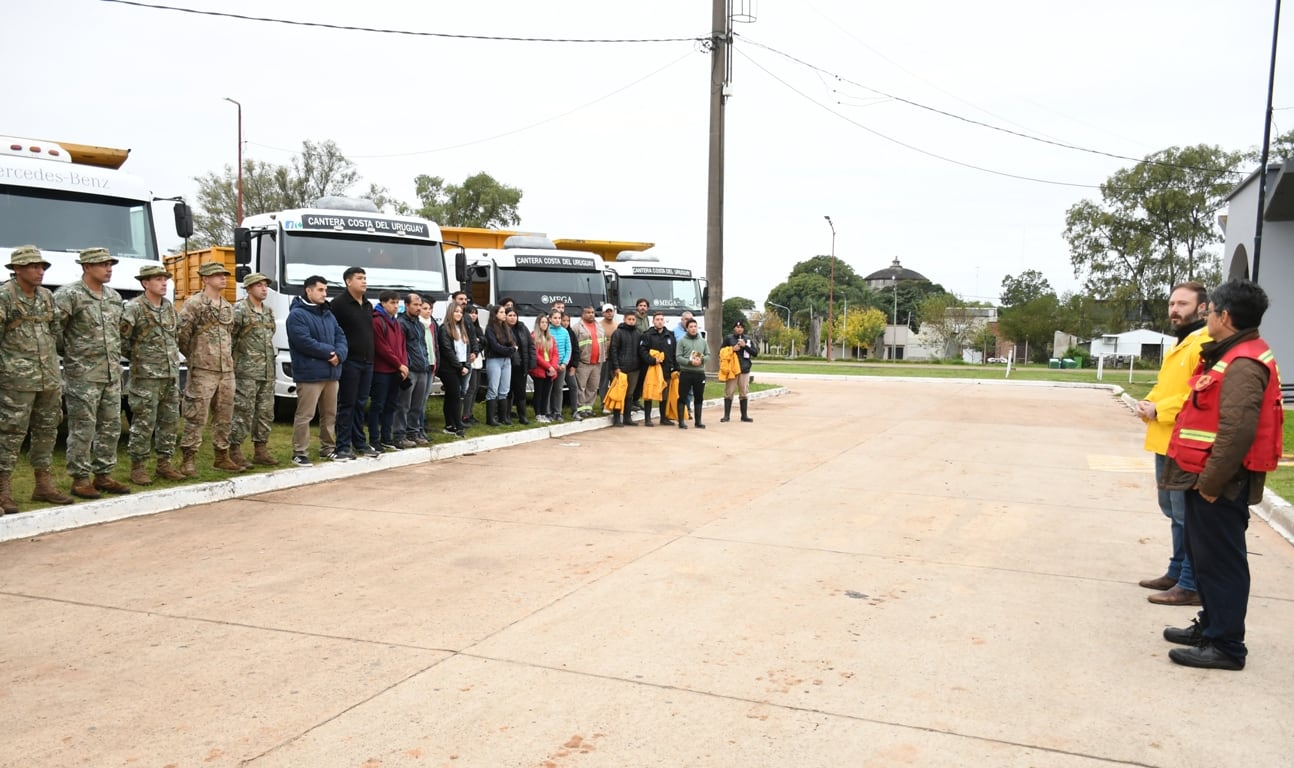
[368,451]
[335,456]
[390,447]
[450,431]
[301,461]
[1192,635]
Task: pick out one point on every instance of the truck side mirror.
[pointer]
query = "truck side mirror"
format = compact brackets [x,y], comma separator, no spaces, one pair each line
[705,296]
[183,220]
[242,245]
[460,265]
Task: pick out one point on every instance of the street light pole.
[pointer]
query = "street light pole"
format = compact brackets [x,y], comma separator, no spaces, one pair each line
[894,329]
[788,320]
[240,158]
[831,286]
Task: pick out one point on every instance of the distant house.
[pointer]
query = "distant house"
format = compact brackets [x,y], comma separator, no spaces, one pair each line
[1275,272]
[1144,344]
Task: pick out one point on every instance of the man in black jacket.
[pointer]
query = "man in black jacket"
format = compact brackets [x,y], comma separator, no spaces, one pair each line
[624,359]
[660,339]
[740,385]
[354,314]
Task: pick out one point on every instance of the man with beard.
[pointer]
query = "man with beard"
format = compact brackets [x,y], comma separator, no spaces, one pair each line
[1159,410]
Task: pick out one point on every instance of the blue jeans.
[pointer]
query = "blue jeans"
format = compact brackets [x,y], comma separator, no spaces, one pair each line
[1173,505]
[381,408]
[498,377]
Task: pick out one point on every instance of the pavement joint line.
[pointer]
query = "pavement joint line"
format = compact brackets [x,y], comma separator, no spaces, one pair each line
[150,502]
[810,710]
[222,622]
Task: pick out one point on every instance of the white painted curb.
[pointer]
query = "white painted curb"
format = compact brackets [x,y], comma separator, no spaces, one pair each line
[150,502]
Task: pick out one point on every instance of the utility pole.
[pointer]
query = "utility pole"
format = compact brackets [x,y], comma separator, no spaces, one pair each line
[240,159]
[1267,140]
[831,287]
[720,59]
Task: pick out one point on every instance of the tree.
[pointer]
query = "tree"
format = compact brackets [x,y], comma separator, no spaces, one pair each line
[1029,285]
[1281,148]
[946,321]
[320,170]
[778,335]
[1033,323]
[809,290]
[734,310]
[1151,227]
[984,340]
[479,201]
[861,328]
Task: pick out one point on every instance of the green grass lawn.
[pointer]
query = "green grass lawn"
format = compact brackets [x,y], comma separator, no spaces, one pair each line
[1142,380]
[1281,482]
[280,446]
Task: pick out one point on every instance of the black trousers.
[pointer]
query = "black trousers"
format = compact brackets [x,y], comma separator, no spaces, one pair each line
[517,392]
[352,392]
[451,381]
[543,394]
[1215,542]
[692,387]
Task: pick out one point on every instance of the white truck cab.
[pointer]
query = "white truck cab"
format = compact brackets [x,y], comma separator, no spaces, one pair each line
[64,197]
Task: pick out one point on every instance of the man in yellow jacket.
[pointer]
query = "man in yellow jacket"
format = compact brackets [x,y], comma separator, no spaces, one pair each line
[1186,307]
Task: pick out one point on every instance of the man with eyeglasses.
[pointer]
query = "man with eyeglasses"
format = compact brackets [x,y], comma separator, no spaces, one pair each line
[1226,439]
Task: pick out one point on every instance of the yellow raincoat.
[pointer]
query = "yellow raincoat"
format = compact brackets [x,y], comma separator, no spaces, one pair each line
[654,380]
[671,405]
[729,365]
[615,399]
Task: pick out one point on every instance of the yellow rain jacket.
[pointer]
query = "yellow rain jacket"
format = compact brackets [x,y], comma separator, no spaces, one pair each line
[1172,388]
[615,399]
[671,405]
[729,365]
[653,379]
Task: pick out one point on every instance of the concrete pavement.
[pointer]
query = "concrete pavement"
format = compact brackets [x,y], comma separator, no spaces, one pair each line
[875,573]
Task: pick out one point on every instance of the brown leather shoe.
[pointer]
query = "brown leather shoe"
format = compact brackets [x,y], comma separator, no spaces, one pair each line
[166,470]
[139,473]
[83,488]
[1175,596]
[105,482]
[1159,584]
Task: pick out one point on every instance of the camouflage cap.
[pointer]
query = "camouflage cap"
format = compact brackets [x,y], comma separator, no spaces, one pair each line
[96,256]
[24,255]
[254,278]
[210,268]
[152,270]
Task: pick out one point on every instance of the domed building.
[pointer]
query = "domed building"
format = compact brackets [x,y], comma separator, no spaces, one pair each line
[894,273]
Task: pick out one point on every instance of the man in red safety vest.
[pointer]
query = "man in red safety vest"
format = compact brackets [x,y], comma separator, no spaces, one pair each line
[1226,439]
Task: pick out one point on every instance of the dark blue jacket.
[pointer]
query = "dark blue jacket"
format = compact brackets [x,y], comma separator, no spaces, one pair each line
[415,342]
[313,336]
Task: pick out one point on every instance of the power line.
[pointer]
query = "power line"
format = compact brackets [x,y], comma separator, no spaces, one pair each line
[414,33]
[982,124]
[517,130]
[910,146]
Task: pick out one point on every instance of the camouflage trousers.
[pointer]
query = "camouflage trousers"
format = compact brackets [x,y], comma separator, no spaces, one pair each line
[207,394]
[42,411]
[155,414]
[93,426]
[253,411]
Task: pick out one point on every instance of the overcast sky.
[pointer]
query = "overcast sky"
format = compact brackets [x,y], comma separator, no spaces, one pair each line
[609,141]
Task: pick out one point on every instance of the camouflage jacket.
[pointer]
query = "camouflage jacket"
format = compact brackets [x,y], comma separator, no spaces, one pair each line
[148,338]
[28,350]
[206,333]
[89,334]
[253,342]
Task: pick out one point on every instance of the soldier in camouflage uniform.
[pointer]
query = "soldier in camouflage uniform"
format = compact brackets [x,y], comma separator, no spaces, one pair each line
[206,340]
[253,372]
[89,323]
[149,325]
[30,387]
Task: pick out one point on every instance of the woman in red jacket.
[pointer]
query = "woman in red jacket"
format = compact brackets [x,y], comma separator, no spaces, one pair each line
[544,374]
[390,371]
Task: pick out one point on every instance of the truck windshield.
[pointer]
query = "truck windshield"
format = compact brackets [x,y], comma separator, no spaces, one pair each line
[58,221]
[394,263]
[671,295]
[535,290]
